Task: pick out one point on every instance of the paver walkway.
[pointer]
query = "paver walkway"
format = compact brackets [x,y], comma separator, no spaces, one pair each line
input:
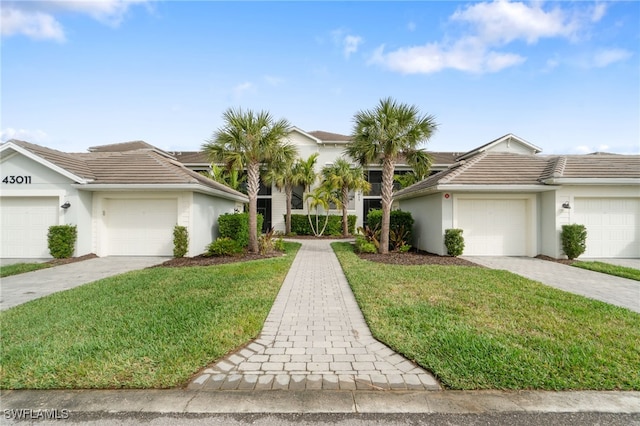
[315,337]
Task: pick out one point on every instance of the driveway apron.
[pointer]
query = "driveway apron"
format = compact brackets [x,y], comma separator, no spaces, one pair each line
[18,289]
[315,337]
[595,285]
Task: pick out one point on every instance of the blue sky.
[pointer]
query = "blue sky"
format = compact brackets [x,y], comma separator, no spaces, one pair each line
[564,76]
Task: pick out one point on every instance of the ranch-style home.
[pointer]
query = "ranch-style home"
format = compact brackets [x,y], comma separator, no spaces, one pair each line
[509,200]
[125,200]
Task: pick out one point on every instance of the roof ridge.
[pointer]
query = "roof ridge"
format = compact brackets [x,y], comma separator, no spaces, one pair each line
[462,165]
[559,166]
[163,160]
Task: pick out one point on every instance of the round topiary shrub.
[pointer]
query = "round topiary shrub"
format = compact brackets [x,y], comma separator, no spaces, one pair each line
[454,241]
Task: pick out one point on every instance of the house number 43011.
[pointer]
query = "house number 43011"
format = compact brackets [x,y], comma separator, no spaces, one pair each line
[16,179]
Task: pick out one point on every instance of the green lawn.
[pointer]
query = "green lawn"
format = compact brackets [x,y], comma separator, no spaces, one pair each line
[20,268]
[152,328]
[477,328]
[607,268]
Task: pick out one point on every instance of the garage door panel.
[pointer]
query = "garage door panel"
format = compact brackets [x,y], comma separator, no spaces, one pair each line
[25,224]
[612,226]
[493,227]
[141,227]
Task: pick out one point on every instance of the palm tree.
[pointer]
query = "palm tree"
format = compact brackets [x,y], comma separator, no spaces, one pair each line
[232,178]
[245,142]
[286,175]
[342,176]
[321,197]
[383,134]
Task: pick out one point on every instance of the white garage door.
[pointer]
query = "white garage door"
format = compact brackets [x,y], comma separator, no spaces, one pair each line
[25,224]
[493,227]
[140,227]
[612,226]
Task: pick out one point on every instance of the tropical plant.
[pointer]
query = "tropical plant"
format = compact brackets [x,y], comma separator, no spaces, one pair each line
[321,197]
[233,178]
[246,141]
[344,178]
[385,133]
[287,174]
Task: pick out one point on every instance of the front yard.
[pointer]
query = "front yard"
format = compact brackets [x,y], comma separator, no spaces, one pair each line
[145,329]
[477,328]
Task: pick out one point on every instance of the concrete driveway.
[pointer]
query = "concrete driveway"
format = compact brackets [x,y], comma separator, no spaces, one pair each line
[607,288]
[18,289]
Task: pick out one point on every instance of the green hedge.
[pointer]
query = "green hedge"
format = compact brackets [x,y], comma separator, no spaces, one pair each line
[574,240]
[61,240]
[398,218]
[180,241]
[236,227]
[454,241]
[300,224]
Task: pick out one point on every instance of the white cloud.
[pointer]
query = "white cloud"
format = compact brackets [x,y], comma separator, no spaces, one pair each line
[36,25]
[349,43]
[37,19]
[599,10]
[501,21]
[465,55]
[273,81]
[34,136]
[242,88]
[489,27]
[607,57]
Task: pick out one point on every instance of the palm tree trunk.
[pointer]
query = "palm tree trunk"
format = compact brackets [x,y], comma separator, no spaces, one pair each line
[345,216]
[388,166]
[288,190]
[253,185]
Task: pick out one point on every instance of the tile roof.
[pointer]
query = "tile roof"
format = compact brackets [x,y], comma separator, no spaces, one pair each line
[191,157]
[143,166]
[70,162]
[330,137]
[500,168]
[602,166]
[121,147]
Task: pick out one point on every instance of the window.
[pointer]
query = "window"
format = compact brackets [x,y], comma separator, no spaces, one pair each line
[297,198]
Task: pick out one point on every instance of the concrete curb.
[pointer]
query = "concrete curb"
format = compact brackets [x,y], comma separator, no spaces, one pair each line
[221,402]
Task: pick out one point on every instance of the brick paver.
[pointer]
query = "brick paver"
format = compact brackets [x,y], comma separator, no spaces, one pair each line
[315,337]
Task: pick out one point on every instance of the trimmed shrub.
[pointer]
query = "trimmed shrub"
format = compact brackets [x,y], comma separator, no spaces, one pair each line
[454,241]
[400,223]
[236,227]
[279,244]
[364,246]
[180,241]
[574,240]
[224,246]
[61,240]
[300,224]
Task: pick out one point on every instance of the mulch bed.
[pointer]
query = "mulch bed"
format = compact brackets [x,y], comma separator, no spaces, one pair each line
[416,258]
[58,262]
[551,259]
[180,262]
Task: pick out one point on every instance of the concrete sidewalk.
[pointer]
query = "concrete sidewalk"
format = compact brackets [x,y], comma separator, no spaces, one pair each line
[595,285]
[309,401]
[315,337]
[18,289]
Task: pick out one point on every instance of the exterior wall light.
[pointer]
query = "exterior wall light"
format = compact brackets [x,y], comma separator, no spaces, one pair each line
[566,205]
[66,205]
